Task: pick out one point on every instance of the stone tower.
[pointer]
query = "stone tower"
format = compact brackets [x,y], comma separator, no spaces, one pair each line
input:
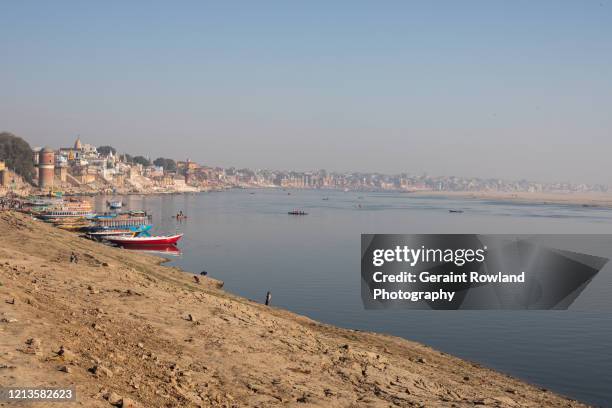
[46,168]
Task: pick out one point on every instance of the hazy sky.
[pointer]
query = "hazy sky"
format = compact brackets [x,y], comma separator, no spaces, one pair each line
[512,89]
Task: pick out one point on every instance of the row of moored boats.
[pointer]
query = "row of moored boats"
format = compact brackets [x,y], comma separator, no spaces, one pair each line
[124,228]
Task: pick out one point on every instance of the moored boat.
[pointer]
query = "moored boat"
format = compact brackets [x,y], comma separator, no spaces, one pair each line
[104,233]
[41,202]
[145,240]
[114,205]
[73,226]
[100,235]
[65,210]
[120,222]
[56,214]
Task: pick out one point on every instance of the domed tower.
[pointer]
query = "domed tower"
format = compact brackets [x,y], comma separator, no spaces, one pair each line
[78,145]
[46,168]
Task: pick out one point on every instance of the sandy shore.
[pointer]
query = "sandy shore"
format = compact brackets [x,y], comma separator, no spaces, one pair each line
[127,331]
[581,199]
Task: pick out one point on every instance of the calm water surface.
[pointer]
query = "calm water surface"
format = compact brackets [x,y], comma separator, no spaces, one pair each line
[311,264]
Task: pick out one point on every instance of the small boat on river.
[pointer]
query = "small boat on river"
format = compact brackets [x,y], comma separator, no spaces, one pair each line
[297,212]
[114,205]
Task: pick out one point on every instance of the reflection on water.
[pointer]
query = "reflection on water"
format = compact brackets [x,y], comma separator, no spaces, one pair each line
[164,250]
[311,265]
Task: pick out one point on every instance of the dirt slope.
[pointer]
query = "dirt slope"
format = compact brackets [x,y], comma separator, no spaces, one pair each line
[136,333]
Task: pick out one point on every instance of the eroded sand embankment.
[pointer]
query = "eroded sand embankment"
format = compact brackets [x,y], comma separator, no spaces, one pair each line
[137,333]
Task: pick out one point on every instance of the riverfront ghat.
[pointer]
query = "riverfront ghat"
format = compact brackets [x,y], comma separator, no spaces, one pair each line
[125,330]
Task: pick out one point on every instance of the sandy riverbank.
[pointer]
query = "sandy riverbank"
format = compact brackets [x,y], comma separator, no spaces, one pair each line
[599,200]
[603,200]
[581,199]
[137,333]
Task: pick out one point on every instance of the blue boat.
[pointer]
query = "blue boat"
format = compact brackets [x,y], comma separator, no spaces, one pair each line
[116,230]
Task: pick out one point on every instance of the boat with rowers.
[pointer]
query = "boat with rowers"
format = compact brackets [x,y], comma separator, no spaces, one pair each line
[180,216]
[297,212]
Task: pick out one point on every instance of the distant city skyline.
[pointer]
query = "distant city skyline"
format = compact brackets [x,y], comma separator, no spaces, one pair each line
[302,177]
[489,89]
[83,167]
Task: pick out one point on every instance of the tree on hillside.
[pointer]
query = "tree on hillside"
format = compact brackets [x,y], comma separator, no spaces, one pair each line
[106,150]
[167,164]
[141,160]
[17,154]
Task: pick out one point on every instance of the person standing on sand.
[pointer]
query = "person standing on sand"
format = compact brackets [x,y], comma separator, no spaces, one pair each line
[268,298]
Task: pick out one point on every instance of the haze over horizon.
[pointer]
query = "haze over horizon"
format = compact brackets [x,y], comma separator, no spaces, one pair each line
[511,90]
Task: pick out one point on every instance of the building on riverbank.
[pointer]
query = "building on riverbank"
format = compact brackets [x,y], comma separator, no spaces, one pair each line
[46,168]
[5,176]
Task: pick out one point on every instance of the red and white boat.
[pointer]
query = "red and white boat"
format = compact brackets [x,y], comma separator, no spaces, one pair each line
[145,240]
